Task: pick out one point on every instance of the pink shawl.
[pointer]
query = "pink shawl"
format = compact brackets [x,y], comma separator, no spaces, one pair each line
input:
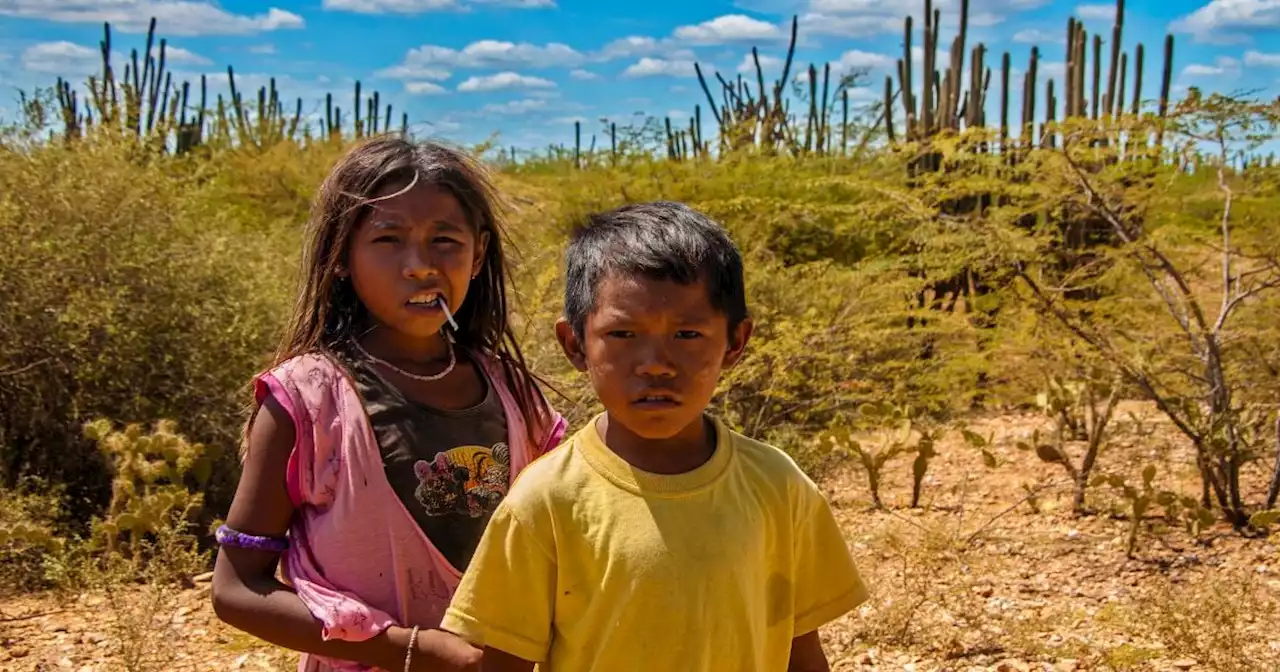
[357,558]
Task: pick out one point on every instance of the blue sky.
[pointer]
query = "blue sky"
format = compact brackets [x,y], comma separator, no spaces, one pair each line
[465,69]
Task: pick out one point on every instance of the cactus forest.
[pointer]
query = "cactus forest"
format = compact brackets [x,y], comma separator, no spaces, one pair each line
[1019,322]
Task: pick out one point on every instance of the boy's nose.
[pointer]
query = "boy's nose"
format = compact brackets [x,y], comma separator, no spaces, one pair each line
[654,363]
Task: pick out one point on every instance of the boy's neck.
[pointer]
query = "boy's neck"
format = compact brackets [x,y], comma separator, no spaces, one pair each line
[684,452]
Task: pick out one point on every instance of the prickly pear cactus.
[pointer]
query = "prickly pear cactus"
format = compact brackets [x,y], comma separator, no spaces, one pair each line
[150,483]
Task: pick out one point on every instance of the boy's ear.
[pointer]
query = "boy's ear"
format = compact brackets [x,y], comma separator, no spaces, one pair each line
[570,344]
[738,343]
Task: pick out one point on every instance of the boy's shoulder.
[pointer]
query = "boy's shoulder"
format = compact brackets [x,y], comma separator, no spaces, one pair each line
[769,466]
[552,477]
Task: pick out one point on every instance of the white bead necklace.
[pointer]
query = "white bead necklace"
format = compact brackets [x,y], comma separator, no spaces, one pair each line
[453,360]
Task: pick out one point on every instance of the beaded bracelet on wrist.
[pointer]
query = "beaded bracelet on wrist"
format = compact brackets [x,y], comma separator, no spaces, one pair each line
[229,537]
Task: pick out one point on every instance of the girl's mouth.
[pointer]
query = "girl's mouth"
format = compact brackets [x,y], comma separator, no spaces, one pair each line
[431,302]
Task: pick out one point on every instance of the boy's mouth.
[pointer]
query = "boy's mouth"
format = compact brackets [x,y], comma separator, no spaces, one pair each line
[656,400]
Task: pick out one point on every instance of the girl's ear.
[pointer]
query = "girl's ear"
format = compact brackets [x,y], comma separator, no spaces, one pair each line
[482,246]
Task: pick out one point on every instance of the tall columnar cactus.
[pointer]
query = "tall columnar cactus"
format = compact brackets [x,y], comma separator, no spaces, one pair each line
[937,103]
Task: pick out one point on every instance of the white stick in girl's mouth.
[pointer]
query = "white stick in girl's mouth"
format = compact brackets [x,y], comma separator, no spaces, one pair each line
[445,305]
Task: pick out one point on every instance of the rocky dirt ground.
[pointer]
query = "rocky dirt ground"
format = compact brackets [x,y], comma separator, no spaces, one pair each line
[981,577]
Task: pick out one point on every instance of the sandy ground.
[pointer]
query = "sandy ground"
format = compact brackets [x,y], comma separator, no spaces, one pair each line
[981,577]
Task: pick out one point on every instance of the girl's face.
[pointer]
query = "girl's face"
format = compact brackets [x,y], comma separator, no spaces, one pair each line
[411,252]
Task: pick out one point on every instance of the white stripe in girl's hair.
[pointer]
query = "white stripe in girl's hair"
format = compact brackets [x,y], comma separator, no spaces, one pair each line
[445,305]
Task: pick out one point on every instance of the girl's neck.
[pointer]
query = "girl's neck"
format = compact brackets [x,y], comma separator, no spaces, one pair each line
[387,344]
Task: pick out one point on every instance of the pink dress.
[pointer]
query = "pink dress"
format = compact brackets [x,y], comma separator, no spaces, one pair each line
[357,558]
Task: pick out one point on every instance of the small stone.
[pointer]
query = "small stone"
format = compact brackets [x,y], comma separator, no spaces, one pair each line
[66,664]
[1185,664]
[19,652]
[203,578]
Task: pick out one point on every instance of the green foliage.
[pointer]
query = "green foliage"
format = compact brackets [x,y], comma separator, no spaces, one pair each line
[1179,509]
[149,486]
[127,295]
[1072,407]
[900,436]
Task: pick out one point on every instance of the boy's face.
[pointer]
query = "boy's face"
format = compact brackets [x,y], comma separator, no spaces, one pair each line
[654,350]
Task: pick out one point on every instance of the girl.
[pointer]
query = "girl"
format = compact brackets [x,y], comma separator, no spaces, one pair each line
[398,409]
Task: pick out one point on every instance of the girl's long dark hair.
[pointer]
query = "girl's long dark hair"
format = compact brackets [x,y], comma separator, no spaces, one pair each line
[327,313]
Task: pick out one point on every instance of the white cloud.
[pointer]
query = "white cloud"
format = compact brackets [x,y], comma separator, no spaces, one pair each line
[71,60]
[173,17]
[516,107]
[1097,12]
[862,25]
[856,59]
[424,88]
[1229,21]
[1037,36]
[265,49]
[748,64]
[1223,66]
[633,45]
[435,59]
[518,4]
[388,6]
[61,58]
[1056,70]
[678,114]
[865,18]
[584,75]
[658,67]
[503,81]
[179,55]
[424,6]
[917,57]
[727,28]
[406,71]
[1259,59]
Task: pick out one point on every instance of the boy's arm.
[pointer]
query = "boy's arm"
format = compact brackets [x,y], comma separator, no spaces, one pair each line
[506,598]
[828,584]
[807,654]
[496,660]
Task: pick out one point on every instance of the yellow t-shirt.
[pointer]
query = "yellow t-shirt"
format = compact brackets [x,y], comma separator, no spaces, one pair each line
[592,564]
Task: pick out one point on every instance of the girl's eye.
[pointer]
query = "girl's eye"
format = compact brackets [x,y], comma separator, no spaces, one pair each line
[446,241]
[618,333]
[385,239]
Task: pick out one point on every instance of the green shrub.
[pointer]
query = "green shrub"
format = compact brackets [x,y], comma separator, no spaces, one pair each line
[118,299]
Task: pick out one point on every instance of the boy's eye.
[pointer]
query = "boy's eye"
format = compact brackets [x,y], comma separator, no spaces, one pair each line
[619,333]
[446,241]
[385,239]
[687,333]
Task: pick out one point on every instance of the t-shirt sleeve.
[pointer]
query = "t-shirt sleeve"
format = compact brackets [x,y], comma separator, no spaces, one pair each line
[828,584]
[506,597]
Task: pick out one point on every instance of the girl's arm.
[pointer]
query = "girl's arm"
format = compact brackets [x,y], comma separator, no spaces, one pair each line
[247,595]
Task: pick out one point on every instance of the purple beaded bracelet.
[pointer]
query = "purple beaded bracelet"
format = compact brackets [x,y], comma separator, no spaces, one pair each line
[229,537]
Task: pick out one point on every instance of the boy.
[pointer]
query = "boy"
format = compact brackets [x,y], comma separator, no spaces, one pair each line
[656,538]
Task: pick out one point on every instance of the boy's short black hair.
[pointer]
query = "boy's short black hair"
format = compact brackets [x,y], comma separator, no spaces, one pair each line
[662,240]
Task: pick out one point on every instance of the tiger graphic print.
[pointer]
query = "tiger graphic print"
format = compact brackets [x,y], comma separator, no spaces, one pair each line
[467,480]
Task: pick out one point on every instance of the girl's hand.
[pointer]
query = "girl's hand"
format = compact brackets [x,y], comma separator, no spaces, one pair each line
[437,651]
